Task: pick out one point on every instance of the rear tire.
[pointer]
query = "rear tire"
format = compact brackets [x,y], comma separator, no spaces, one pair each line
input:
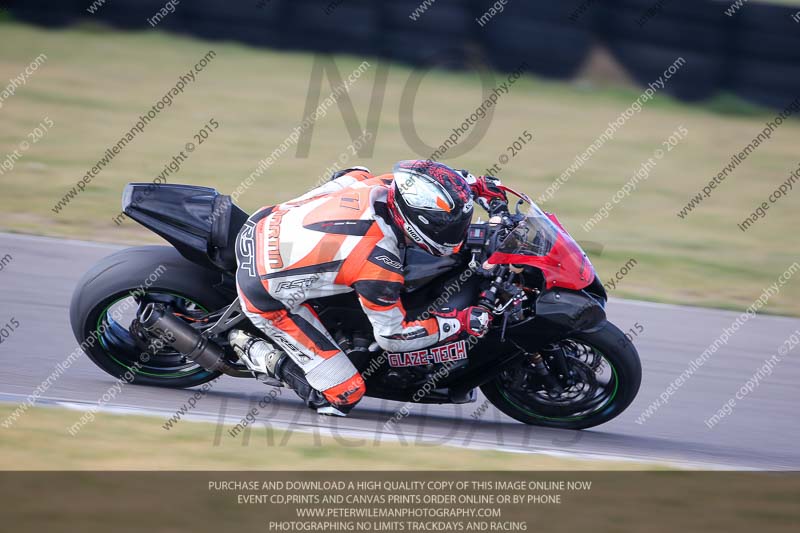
[154,269]
[623,360]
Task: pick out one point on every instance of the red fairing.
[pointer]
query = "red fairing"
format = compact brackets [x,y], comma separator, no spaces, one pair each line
[565,265]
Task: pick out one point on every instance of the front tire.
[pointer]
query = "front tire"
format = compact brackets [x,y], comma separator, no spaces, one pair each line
[531,407]
[147,272]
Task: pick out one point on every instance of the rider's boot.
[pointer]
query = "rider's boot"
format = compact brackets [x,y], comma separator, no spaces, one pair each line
[271,363]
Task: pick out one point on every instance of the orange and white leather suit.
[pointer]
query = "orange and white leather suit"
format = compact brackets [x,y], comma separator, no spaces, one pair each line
[334,239]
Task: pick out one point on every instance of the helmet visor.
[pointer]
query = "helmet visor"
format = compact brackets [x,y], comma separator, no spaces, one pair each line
[421,192]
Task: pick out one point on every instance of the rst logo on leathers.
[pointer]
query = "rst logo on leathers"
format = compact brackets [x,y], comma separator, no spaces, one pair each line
[247,249]
[302,283]
[388,261]
[445,353]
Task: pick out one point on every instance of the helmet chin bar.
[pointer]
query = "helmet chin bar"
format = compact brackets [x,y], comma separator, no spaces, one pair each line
[430,247]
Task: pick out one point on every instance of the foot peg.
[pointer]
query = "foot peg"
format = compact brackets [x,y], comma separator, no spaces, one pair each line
[260,356]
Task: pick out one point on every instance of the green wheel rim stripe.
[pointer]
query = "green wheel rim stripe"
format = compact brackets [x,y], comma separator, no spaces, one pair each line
[133,369]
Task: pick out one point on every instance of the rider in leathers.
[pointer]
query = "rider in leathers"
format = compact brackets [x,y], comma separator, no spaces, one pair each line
[349,235]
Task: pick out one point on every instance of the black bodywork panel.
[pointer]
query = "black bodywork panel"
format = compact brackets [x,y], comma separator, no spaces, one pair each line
[199,222]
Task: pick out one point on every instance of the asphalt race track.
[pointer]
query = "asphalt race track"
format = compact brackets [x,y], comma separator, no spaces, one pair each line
[762,431]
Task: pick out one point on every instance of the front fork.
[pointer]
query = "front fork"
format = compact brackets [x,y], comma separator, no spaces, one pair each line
[550,363]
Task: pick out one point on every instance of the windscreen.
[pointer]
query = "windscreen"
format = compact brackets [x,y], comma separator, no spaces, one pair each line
[534,236]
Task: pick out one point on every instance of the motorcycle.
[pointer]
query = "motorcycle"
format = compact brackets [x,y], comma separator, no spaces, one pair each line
[161,315]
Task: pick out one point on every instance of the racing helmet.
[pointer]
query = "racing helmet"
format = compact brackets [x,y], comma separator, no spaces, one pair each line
[432,204]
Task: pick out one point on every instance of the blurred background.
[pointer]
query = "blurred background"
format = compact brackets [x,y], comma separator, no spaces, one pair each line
[424,68]
[745,48]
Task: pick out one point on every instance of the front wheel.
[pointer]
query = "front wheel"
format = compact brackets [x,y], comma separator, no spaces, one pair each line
[598,378]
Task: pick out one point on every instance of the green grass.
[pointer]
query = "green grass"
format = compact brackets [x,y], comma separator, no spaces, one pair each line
[40,441]
[96,83]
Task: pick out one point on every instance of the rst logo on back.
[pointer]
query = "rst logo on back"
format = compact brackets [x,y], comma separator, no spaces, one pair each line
[445,353]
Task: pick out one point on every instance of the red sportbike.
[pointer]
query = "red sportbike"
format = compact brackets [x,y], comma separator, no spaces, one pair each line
[550,359]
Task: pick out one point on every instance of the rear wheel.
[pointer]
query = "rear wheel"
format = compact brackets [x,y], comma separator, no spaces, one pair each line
[109,298]
[602,379]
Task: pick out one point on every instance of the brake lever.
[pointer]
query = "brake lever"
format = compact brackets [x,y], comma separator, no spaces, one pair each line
[518,299]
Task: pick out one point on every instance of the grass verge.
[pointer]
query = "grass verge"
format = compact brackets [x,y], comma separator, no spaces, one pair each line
[40,441]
